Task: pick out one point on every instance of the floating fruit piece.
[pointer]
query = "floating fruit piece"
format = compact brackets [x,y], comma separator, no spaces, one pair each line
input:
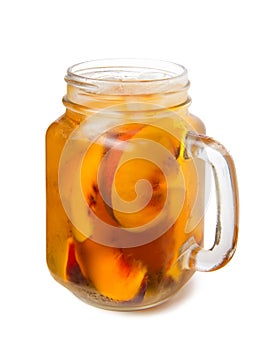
[73,271]
[115,142]
[149,155]
[70,186]
[58,224]
[137,203]
[94,189]
[114,274]
[194,195]
[157,255]
[138,298]
[85,200]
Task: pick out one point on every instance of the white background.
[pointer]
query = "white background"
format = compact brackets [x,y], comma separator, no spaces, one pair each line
[226,47]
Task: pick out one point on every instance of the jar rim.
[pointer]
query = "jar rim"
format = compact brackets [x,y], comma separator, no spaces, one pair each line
[126,71]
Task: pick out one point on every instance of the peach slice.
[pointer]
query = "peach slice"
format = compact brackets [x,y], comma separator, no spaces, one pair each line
[148,202]
[85,200]
[58,225]
[115,143]
[95,192]
[181,235]
[150,155]
[114,274]
[73,272]
[69,183]
[157,255]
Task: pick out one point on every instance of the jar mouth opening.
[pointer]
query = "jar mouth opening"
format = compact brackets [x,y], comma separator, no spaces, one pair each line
[118,69]
[110,73]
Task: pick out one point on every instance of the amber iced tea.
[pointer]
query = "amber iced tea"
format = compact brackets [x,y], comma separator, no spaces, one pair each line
[119,274]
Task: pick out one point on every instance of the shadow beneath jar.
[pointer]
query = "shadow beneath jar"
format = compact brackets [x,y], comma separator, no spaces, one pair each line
[184,294]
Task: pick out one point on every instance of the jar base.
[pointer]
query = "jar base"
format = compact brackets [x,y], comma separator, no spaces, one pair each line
[89,295]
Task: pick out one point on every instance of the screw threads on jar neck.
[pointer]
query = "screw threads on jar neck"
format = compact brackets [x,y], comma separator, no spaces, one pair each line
[143,84]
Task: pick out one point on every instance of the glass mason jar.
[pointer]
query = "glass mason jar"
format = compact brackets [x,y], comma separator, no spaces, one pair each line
[126,186]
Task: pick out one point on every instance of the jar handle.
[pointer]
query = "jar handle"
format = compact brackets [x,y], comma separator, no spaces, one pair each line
[195,257]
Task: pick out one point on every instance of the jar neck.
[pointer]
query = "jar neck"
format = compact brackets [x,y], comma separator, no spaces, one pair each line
[126,85]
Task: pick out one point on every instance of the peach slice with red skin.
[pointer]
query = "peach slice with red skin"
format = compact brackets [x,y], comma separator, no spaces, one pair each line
[124,169]
[97,195]
[113,273]
[73,271]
